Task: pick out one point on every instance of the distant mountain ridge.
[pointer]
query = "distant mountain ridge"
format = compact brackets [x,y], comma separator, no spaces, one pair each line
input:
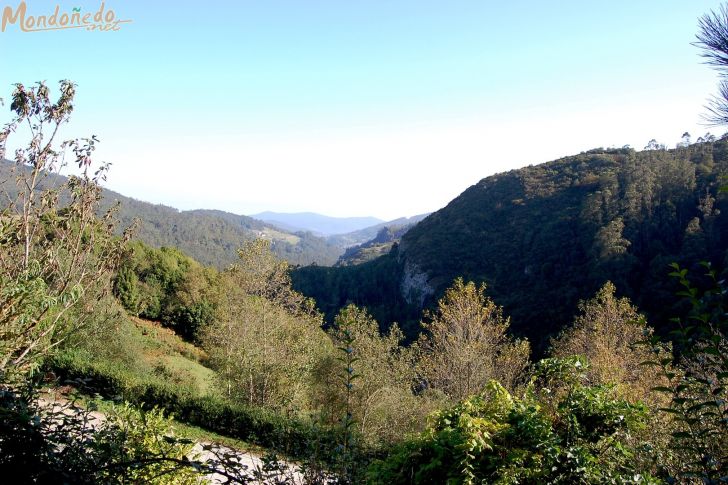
[362,236]
[212,237]
[389,234]
[317,224]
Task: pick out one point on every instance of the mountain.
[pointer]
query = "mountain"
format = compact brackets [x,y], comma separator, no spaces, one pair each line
[316,223]
[362,236]
[543,237]
[389,235]
[209,236]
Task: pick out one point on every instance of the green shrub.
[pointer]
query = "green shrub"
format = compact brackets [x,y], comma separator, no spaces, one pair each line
[575,434]
[254,425]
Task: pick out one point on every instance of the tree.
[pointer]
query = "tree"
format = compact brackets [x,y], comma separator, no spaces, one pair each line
[608,332]
[56,256]
[654,145]
[686,139]
[713,40]
[698,390]
[381,400]
[265,339]
[609,241]
[466,344]
[166,285]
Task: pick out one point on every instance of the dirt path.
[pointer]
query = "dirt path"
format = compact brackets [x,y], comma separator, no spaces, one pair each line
[241,466]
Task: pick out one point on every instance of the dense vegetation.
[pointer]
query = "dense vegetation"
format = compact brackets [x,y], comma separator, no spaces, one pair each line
[544,237]
[375,285]
[356,401]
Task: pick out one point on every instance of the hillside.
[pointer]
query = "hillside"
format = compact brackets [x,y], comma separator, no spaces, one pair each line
[379,245]
[362,236]
[316,223]
[209,236]
[544,237]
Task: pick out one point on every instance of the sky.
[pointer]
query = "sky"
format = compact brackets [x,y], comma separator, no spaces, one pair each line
[383,108]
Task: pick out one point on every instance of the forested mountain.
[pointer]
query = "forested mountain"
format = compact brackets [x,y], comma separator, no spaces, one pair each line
[379,245]
[544,237]
[209,236]
[316,223]
[365,235]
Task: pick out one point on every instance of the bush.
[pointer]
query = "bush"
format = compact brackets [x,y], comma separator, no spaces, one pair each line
[251,424]
[66,444]
[575,434]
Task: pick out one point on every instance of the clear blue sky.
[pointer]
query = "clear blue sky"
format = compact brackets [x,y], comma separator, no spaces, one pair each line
[383,108]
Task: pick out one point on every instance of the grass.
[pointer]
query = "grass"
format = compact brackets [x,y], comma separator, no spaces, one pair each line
[165,354]
[274,235]
[146,365]
[147,350]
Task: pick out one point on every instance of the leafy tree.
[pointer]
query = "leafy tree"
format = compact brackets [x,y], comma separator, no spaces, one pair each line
[713,39]
[608,332]
[55,255]
[609,241]
[466,344]
[381,400]
[698,389]
[168,286]
[265,338]
[685,140]
[126,288]
[56,262]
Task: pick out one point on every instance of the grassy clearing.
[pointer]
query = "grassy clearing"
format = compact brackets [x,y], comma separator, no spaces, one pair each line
[146,365]
[160,352]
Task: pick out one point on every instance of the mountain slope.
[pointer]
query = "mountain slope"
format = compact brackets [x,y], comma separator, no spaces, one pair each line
[211,237]
[379,245]
[316,223]
[362,236]
[545,236]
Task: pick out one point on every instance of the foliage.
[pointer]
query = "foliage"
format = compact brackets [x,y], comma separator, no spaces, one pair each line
[168,286]
[608,332]
[578,435]
[466,344]
[713,39]
[545,237]
[59,442]
[266,338]
[698,390]
[146,365]
[348,358]
[54,256]
[381,400]
[374,285]
[263,427]
[141,348]
[142,448]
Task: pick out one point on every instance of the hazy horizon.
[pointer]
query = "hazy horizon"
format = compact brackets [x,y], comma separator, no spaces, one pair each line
[385,110]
